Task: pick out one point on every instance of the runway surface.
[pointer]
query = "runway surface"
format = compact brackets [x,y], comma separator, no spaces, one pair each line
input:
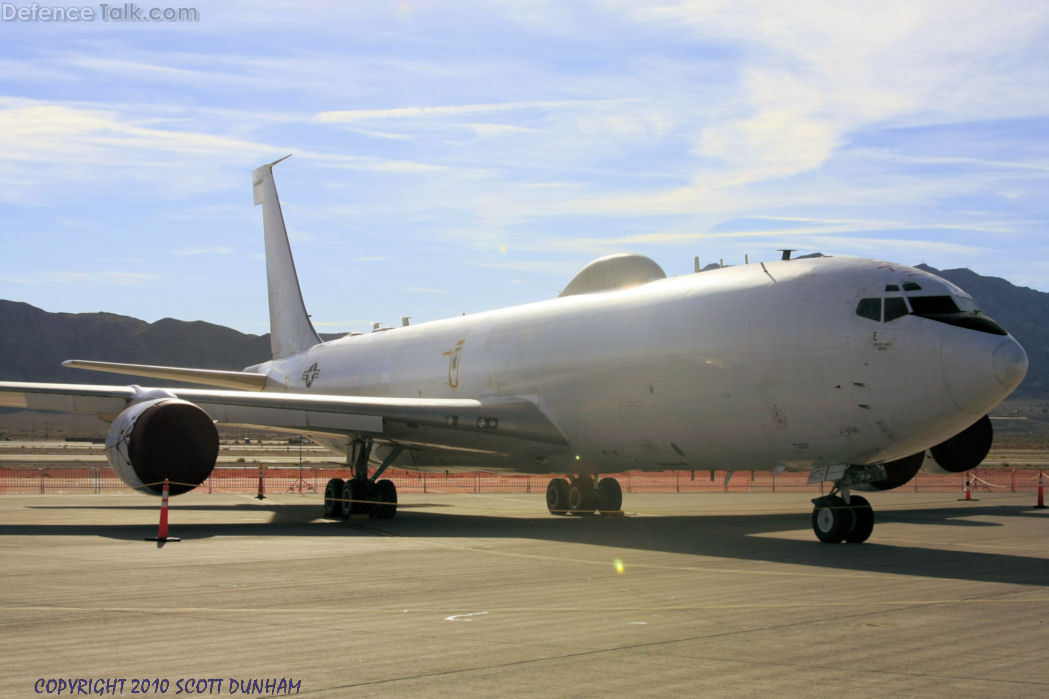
[488,595]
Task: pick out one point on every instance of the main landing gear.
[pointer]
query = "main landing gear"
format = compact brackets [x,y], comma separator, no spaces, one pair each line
[583,496]
[361,495]
[836,518]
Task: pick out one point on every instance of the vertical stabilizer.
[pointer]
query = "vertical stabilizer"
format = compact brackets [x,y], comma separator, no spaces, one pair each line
[291,331]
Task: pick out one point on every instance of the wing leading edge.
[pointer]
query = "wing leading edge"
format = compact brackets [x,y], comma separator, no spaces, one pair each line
[504,426]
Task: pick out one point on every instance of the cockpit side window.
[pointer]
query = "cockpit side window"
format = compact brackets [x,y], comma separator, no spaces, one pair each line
[869,308]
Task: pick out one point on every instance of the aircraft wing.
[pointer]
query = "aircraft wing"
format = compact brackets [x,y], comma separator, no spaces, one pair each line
[450,423]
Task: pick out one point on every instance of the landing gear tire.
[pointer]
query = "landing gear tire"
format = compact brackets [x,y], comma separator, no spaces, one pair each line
[332,495]
[557,496]
[354,495]
[388,496]
[581,496]
[862,519]
[609,496]
[831,518]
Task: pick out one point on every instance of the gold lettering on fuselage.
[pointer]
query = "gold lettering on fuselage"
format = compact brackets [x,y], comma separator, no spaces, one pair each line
[454,362]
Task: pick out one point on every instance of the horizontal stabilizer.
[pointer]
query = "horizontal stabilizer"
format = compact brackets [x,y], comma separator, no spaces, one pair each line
[243,380]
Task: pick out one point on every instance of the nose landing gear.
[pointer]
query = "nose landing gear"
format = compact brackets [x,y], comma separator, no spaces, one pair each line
[835,519]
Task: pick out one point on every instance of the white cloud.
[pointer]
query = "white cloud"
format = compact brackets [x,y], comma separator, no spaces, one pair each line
[468,110]
[904,158]
[100,278]
[206,250]
[51,151]
[810,234]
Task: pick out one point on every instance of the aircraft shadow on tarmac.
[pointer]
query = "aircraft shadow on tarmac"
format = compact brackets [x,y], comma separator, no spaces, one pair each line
[715,535]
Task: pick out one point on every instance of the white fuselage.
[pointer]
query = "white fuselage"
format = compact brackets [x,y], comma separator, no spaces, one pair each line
[750,367]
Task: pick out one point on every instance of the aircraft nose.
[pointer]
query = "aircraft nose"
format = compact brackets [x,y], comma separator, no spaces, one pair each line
[980,369]
[1010,363]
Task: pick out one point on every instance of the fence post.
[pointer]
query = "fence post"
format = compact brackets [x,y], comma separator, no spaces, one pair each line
[677,481]
[41,481]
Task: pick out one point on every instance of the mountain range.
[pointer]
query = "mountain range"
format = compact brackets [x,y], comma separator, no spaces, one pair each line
[34,342]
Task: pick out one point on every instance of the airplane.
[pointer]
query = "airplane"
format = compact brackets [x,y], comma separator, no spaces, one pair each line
[851,369]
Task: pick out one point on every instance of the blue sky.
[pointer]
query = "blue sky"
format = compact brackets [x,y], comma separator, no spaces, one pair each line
[453,157]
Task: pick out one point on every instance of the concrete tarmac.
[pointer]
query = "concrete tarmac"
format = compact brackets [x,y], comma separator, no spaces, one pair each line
[481,595]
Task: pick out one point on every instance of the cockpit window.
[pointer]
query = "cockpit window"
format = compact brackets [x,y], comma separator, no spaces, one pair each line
[932,305]
[955,310]
[895,307]
[960,311]
[869,308]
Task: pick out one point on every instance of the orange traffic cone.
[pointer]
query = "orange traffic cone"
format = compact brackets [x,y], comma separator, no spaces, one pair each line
[162,530]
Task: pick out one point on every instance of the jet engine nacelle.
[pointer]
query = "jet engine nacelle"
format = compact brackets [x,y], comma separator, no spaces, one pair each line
[163,438]
[967,449]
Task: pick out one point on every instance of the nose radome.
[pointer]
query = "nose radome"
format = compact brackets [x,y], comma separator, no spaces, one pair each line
[980,369]
[1010,363]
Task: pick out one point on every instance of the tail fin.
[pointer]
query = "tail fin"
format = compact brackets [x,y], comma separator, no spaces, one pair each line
[291,331]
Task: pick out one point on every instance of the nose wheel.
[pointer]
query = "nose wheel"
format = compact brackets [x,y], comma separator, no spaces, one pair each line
[834,520]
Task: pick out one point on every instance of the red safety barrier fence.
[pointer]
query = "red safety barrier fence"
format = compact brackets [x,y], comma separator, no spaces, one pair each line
[293,480]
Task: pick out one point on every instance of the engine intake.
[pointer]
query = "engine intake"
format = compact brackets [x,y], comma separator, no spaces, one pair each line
[164,438]
[967,449]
